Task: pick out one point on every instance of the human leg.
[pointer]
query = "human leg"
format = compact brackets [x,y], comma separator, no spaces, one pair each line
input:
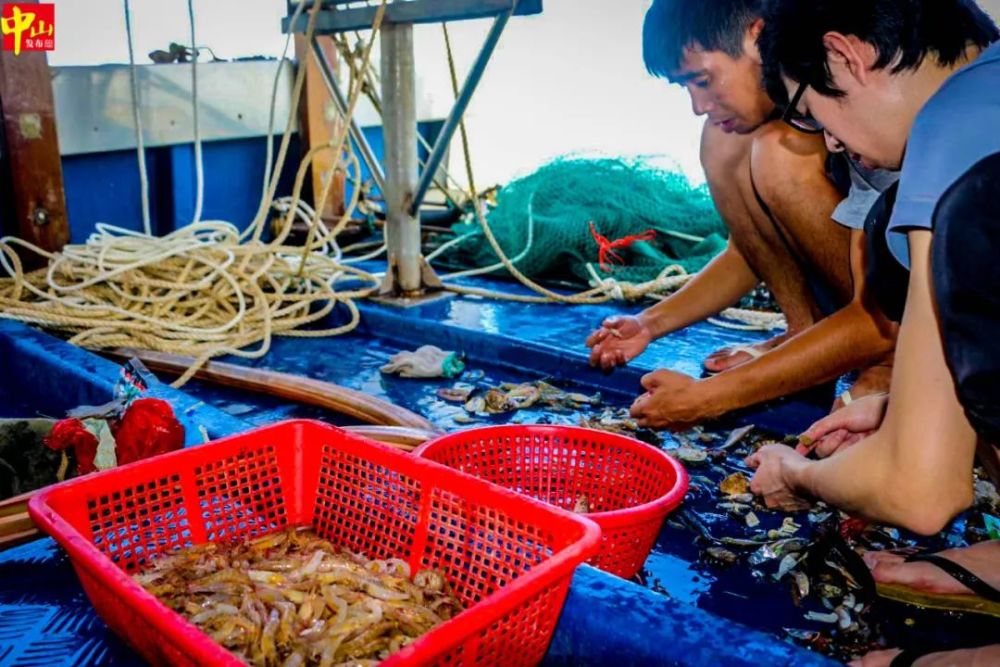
[779,219]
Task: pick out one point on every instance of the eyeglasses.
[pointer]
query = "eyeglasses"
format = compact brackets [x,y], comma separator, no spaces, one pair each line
[800,121]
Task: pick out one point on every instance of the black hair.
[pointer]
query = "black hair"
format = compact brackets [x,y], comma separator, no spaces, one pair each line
[674,25]
[903,32]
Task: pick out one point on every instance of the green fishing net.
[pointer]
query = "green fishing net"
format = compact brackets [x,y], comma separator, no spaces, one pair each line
[542,222]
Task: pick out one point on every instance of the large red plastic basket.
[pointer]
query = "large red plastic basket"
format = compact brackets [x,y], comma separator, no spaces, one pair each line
[508,558]
[631,487]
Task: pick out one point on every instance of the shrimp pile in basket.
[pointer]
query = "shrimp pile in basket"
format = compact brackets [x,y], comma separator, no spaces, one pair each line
[293,598]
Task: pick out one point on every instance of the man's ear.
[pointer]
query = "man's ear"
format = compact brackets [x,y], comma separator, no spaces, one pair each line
[848,56]
[750,40]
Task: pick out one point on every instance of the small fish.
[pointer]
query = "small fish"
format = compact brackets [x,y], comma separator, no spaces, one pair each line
[734,508]
[582,504]
[736,436]
[843,618]
[820,617]
[801,584]
[752,520]
[787,564]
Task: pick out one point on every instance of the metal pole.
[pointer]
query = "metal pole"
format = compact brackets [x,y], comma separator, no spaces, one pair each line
[367,155]
[399,129]
[448,131]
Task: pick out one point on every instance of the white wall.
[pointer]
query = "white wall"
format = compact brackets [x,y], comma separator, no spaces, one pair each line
[569,80]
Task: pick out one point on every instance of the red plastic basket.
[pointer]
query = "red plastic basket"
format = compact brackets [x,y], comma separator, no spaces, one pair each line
[508,558]
[630,486]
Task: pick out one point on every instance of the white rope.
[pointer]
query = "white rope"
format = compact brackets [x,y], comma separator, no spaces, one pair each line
[137,120]
[741,319]
[205,289]
[199,167]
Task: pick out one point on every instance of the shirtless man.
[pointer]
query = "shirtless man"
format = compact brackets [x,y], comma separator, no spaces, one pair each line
[772,186]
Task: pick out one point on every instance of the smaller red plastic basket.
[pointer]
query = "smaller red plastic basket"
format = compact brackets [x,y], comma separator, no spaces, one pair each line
[630,486]
[508,558]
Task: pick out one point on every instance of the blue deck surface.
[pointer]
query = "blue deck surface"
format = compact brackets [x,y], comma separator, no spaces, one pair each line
[44,617]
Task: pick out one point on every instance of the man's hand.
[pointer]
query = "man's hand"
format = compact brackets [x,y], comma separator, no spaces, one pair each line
[618,341]
[776,466]
[671,401]
[845,427]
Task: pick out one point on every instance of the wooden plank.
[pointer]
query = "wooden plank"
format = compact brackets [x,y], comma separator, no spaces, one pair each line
[318,123]
[32,152]
[341,400]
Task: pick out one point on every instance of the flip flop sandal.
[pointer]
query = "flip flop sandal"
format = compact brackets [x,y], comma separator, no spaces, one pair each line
[986,599]
[737,349]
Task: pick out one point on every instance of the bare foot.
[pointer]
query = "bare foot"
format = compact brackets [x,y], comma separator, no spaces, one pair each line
[981,559]
[731,357]
[872,380]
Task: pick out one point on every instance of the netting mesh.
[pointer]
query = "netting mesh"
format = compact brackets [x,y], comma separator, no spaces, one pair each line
[542,221]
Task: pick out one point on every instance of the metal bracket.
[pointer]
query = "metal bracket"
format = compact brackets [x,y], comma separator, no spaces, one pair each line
[457,111]
[403,186]
[346,15]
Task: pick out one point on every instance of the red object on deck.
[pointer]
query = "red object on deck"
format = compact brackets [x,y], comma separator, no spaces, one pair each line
[148,428]
[630,486]
[71,433]
[508,558]
[606,248]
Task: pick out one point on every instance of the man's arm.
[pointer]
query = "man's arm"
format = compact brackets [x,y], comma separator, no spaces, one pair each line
[723,282]
[915,471]
[853,337]
[720,284]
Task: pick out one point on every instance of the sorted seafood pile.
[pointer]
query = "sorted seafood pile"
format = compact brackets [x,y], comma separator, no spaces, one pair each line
[509,397]
[293,598]
[805,568]
[620,422]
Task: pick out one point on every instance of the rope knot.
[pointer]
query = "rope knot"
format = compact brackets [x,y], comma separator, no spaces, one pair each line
[606,249]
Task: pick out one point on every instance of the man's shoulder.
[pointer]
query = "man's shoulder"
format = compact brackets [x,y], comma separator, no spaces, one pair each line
[974,89]
[778,139]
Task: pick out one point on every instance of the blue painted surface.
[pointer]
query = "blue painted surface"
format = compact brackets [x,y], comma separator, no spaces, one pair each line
[610,622]
[429,130]
[105,187]
[41,371]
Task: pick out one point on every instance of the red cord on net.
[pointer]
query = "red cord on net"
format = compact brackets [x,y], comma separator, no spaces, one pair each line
[606,248]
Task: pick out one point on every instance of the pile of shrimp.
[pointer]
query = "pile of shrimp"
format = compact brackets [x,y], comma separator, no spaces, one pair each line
[292,599]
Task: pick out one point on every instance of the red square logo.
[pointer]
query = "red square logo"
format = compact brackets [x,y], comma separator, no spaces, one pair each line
[27,26]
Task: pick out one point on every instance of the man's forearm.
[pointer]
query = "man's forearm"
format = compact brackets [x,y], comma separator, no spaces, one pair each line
[723,282]
[849,339]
